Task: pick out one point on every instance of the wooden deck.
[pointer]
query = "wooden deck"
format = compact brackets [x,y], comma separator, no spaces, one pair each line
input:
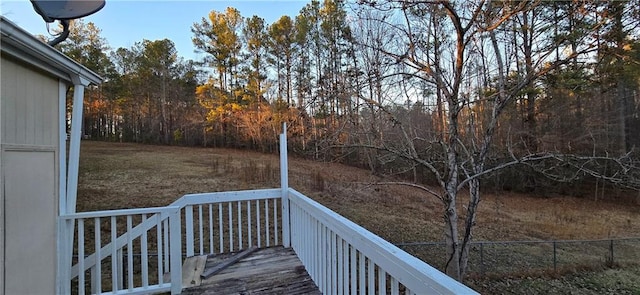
[273,270]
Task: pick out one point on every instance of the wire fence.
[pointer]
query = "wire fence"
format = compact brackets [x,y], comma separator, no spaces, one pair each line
[524,257]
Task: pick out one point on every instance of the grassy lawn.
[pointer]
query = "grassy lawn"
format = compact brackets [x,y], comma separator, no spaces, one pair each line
[597,282]
[116,175]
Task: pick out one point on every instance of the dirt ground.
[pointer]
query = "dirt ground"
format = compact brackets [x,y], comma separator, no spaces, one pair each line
[121,175]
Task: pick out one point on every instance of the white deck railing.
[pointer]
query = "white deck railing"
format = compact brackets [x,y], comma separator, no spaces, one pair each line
[133,260]
[139,251]
[140,247]
[344,258]
[231,221]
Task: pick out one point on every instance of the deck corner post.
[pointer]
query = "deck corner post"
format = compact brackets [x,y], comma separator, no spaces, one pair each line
[74,146]
[64,260]
[176,252]
[284,182]
[70,175]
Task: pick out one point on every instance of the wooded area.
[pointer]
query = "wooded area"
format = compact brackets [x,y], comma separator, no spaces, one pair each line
[512,94]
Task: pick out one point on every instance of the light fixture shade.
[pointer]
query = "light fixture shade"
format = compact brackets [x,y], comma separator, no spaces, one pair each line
[52,10]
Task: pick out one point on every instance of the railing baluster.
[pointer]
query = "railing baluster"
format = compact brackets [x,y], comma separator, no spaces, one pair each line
[345,267]
[120,261]
[312,241]
[230,212]
[239,225]
[340,257]
[329,263]
[319,258]
[114,255]
[382,281]
[80,256]
[314,244]
[394,286]
[298,218]
[266,220]
[258,233]
[334,262]
[160,241]
[200,229]
[371,272]
[362,285]
[353,269]
[307,239]
[294,238]
[220,232]
[96,274]
[317,246]
[165,240]
[211,246]
[275,221]
[144,260]
[305,221]
[129,254]
[249,225]
[188,219]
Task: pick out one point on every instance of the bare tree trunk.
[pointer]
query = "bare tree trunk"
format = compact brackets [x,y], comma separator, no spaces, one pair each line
[531,95]
[470,222]
[452,267]
[622,118]
[163,108]
[440,112]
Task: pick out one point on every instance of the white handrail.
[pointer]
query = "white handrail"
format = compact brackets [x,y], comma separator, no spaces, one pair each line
[229,196]
[121,212]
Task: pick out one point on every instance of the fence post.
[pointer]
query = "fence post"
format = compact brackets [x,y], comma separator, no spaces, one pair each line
[482,258]
[611,252]
[555,261]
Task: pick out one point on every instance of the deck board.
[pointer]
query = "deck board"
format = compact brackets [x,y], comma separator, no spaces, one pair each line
[273,270]
[192,268]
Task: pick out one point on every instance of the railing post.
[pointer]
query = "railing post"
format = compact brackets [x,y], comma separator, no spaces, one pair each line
[284,183]
[64,263]
[175,236]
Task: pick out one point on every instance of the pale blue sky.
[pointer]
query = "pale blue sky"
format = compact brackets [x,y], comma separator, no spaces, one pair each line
[125,22]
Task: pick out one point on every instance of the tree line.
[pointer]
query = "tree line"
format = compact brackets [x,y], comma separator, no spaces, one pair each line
[511,94]
[336,73]
[341,75]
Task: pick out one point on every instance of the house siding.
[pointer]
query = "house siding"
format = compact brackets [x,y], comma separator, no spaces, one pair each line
[29,106]
[29,193]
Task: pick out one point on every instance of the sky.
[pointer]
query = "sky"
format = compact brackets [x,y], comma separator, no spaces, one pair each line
[123,23]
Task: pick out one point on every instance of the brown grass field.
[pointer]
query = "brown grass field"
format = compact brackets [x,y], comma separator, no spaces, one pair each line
[117,175]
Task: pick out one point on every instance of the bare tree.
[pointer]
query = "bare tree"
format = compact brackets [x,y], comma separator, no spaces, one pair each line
[447,45]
